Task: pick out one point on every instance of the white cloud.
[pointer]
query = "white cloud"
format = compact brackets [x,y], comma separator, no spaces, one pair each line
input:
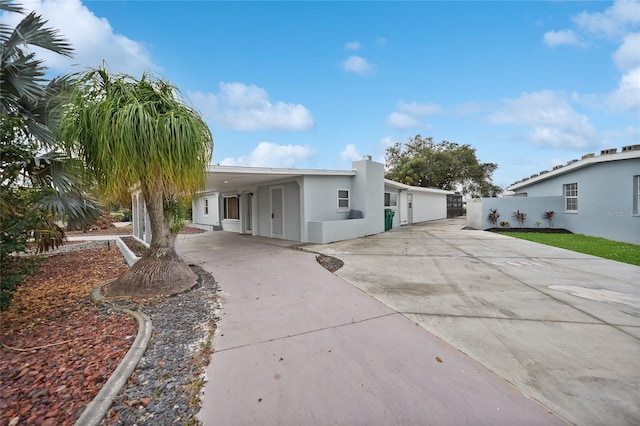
[627,96]
[350,153]
[627,57]
[619,23]
[407,114]
[358,65]
[93,39]
[269,154]
[552,120]
[387,142]
[247,107]
[469,108]
[384,143]
[353,45]
[381,41]
[613,22]
[417,109]
[559,38]
[399,120]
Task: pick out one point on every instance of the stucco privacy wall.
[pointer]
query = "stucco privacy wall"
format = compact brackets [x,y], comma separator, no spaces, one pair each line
[534,207]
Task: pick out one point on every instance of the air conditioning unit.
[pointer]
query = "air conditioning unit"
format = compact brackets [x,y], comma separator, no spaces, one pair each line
[589,155]
[631,148]
[608,151]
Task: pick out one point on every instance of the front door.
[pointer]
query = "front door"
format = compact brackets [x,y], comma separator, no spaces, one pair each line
[277,212]
[249,212]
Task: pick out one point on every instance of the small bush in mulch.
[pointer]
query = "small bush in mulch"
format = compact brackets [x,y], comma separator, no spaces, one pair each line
[537,230]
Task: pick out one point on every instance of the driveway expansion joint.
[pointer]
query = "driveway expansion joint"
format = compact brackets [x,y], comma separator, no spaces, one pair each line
[303,333]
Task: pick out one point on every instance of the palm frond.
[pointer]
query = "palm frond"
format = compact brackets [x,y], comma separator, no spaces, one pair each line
[31,30]
[11,6]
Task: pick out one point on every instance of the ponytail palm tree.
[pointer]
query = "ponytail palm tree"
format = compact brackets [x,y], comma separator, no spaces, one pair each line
[139,133]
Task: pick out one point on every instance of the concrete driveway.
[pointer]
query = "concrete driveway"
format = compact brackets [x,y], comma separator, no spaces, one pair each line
[297,345]
[561,326]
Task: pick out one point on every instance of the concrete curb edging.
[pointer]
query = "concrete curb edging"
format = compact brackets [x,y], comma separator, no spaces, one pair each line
[97,409]
[129,255]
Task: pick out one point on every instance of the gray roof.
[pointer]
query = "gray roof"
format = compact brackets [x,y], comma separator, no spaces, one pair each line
[572,165]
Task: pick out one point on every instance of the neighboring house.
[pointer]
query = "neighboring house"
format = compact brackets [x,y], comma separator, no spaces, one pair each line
[317,206]
[596,195]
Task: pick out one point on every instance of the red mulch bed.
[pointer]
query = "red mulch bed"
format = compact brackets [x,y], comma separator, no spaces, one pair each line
[58,349]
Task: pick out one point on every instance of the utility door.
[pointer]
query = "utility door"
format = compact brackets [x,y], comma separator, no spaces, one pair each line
[410,208]
[277,211]
[402,208]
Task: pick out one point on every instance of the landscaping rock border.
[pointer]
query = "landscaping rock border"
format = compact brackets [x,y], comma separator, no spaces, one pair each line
[537,230]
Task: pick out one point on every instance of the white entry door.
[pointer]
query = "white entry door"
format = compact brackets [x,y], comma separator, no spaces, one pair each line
[277,212]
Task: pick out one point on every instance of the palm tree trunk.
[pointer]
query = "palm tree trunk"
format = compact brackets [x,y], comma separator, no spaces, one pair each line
[161,271]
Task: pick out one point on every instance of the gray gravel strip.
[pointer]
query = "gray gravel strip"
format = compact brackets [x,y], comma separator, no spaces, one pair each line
[165,387]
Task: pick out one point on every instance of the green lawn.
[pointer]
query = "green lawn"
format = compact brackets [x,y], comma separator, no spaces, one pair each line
[614,250]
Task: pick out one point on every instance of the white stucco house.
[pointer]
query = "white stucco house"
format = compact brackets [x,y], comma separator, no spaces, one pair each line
[597,195]
[317,206]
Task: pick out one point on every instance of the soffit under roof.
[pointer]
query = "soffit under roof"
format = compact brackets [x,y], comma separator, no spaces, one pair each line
[229,178]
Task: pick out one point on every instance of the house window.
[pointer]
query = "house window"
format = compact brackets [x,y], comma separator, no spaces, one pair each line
[206,207]
[636,195]
[232,208]
[343,200]
[571,197]
[390,199]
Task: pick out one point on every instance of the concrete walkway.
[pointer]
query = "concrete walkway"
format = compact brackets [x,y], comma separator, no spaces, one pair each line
[297,345]
[561,326]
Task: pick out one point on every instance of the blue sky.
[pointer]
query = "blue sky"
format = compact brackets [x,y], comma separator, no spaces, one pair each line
[319,84]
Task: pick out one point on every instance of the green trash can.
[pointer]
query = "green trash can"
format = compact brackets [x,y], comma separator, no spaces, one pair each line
[388,219]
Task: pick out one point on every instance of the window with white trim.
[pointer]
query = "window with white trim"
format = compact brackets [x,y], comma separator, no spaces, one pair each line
[206,207]
[232,208]
[636,195]
[343,200]
[390,199]
[571,197]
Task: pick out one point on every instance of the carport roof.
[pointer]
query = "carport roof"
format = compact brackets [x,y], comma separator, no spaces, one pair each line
[221,178]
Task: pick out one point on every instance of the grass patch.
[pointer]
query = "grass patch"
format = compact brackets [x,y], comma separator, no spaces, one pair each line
[601,247]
